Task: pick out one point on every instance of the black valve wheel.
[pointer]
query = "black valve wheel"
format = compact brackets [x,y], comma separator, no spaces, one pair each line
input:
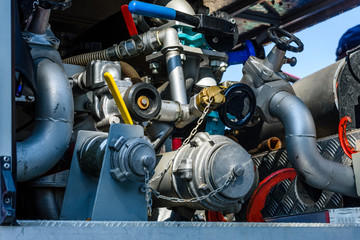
[239,106]
[143,101]
[283,40]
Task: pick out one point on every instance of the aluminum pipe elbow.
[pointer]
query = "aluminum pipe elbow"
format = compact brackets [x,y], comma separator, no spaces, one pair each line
[300,135]
[53,123]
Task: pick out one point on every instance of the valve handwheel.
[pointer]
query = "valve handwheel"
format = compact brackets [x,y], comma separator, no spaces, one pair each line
[283,40]
[258,199]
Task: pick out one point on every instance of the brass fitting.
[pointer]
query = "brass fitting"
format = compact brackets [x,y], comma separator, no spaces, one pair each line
[204,96]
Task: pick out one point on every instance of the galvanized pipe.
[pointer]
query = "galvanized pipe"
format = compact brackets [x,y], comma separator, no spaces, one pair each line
[53,123]
[300,136]
[152,41]
[171,48]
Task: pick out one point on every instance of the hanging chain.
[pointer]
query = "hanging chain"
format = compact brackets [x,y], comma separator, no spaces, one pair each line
[196,199]
[199,122]
[149,190]
[148,198]
[186,141]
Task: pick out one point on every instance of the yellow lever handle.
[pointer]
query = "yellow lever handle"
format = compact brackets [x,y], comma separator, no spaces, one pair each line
[118,99]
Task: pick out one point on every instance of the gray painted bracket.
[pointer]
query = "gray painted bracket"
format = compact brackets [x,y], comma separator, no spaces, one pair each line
[80,191]
[115,200]
[103,198]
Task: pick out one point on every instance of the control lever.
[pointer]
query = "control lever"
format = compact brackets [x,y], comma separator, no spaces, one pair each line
[220,34]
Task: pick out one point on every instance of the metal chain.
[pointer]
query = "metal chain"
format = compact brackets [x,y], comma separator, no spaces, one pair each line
[186,141]
[148,198]
[196,199]
[199,122]
[149,190]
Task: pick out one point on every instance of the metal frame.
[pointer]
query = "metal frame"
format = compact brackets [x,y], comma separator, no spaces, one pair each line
[89,230]
[303,16]
[127,230]
[7,146]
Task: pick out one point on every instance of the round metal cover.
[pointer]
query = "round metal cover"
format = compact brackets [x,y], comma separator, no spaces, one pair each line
[232,158]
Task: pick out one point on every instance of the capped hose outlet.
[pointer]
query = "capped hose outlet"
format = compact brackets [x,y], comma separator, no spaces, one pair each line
[212,173]
[143,101]
[131,158]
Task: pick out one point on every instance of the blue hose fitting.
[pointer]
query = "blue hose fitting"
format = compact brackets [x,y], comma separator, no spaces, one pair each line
[238,57]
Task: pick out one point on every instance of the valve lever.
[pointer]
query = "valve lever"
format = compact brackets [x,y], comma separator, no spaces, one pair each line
[130,24]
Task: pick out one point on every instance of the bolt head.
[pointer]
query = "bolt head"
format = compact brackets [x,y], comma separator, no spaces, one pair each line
[183,57]
[204,187]
[114,119]
[238,170]
[215,63]
[148,161]
[6,165]
[143,102]
[140,46]
[186,175]
[154,65]
[267,72]
[87,105]
[222,69]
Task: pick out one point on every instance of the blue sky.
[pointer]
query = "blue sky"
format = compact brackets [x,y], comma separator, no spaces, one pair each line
[320,43]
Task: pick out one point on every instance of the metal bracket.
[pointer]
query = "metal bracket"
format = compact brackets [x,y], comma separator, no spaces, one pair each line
[8,191]
[205,54]
[103,198]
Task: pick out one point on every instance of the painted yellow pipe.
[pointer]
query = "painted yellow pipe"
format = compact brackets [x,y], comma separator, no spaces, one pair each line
[118,99]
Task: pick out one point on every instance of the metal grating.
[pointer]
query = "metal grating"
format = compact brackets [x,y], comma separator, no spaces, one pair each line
[296,197]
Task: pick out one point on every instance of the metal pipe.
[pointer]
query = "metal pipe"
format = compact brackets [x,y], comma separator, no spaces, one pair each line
[300,136]
[53,123]
[40,21]
[149,42]
[176,77]
[170,111]
[181,114]
[171,48]
[318,91]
